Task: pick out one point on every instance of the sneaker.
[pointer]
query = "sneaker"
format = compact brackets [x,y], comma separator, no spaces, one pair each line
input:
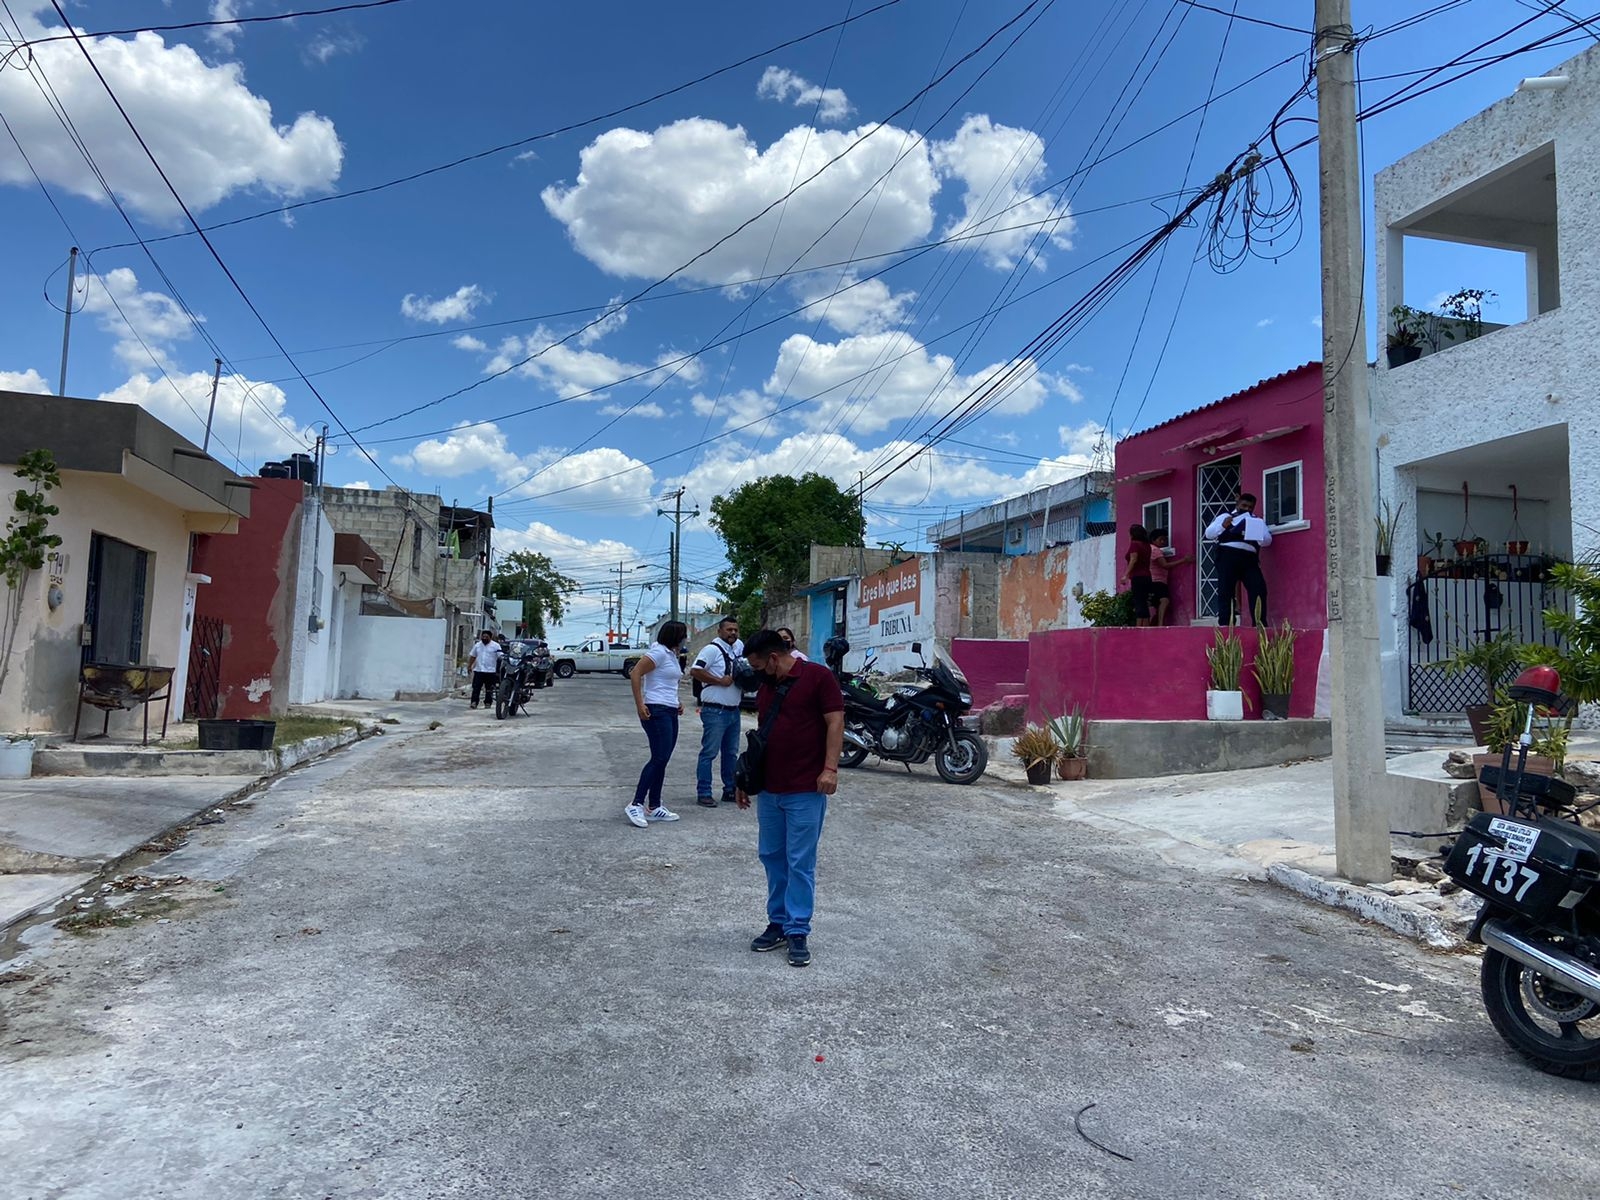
[472,706]
[662,813]
[730,797]
[635,813]
[769,938]
[799,952]
[705,801]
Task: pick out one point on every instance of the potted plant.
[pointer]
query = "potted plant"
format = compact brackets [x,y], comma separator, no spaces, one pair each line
[16,755]
[1516,544]
[1405,335]
[1432,552]
[27,542]
[1274,671]
[1546,756]
[1496,659]
[1387,521]
[1465,309]
[1072,744]
[1224,698]
[1037,749]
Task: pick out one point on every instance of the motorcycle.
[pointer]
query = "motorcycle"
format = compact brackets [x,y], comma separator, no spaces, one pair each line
[519,675]
[1536,869]
[917,722]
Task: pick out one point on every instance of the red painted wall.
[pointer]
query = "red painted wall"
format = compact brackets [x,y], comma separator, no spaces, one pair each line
[1148,674]
[1295,565]
[251,590]
[989,663]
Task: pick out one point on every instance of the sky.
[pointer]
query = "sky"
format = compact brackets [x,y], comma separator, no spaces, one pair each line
[805,262]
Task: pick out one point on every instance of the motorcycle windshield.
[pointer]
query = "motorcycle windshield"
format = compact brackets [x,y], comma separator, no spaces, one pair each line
[948,675]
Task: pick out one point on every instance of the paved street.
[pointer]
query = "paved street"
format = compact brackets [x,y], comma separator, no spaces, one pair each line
[441,964]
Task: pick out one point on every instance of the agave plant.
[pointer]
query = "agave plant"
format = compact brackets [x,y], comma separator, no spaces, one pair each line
[1070,733]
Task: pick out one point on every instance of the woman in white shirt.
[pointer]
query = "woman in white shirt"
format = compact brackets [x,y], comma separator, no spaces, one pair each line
[655,694]
[788,640]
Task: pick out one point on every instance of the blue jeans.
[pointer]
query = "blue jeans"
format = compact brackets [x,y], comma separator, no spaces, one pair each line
[719,731]
[662,730]
[790,826]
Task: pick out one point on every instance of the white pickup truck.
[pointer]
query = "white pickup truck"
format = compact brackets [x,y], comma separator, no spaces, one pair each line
[595,655]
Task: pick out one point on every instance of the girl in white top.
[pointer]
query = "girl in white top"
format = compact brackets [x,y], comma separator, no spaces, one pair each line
[655,679]
[788,640]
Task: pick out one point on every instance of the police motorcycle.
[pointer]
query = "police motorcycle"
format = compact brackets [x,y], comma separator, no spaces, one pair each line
[915,723]
[525,665]
[1538,872]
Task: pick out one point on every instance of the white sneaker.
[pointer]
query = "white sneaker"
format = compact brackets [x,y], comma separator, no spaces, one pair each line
[661,814]
[635,813]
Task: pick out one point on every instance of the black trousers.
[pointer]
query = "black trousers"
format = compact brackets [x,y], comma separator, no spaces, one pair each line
[484,681]
[1233,568]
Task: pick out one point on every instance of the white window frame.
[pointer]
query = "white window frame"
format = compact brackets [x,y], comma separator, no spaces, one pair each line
[1144,514]
[1298,466]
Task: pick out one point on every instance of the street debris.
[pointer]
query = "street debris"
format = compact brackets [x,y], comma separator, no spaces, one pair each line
[214,817]
[1077,1124]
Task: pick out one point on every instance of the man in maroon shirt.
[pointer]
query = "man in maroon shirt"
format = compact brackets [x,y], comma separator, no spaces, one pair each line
[801,772]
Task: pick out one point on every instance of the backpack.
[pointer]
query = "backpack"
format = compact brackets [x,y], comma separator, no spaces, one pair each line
[698,686]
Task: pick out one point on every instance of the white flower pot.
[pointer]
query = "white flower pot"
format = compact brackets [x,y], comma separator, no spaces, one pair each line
[1224,706]
[16,759]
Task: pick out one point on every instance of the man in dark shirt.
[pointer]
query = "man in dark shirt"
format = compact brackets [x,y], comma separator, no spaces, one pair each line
[802,771]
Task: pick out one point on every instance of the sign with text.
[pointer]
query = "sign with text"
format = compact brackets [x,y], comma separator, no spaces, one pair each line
[888,612]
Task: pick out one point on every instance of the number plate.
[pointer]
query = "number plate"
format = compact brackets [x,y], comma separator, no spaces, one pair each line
[1519,838]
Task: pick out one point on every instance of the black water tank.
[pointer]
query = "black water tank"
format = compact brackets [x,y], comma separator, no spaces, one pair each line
[304,468]
[276,470]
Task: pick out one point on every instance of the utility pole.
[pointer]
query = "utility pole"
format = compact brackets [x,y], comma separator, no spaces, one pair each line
[66,328]
[678,515]
[211,413]
[1360,799]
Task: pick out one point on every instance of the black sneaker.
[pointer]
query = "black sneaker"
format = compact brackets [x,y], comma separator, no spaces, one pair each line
[769,938]
[705,801]
[799,952]
[730,798]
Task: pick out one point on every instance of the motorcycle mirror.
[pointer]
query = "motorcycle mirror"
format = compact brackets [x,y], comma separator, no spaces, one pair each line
[916,647]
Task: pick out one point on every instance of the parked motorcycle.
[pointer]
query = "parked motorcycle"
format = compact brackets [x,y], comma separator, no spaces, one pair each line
[524,666]
[1540,922]
[917,722]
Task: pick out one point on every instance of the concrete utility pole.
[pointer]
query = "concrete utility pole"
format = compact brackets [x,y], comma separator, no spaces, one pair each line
[66,328]
[678,516]
[1360,797]
[211,413]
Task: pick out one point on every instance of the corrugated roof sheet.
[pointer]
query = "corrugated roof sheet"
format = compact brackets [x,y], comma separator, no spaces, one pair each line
[1219,403]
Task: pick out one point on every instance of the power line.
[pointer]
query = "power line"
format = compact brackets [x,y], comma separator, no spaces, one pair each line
[1235,16]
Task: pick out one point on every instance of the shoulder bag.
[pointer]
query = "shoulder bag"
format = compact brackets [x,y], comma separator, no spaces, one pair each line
[750,773]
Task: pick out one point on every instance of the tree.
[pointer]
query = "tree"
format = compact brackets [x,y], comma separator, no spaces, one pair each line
[28,541]
[768,527]
[532,578]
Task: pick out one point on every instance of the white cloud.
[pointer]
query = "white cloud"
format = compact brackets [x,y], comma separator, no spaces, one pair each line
[24,381]
[224,35]
[650,409]
[610,322]
[129,313]
[1316,322]
[251,416]
[329,45]
[360,485]
[1080,441]
[467,342]
[572,372]
[571,555]
[872,380]
[735,408]
[870,306]
[645,203]
[784,86]
[1264,322]
[464,452]
[459,305]
[1001,167]
[212,135]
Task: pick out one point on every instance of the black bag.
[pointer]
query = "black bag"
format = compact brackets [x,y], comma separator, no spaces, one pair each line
[698,685]
[750,773]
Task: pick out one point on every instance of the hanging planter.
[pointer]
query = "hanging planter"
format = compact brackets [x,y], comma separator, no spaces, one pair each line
[1516,543]
[1467,542]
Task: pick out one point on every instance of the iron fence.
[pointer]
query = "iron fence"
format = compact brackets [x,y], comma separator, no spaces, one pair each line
[203,691]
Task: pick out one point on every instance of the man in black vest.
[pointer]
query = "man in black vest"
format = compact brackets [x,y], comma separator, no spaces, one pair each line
[1240,536]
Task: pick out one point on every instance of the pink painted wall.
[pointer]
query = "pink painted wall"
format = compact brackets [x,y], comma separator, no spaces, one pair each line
[1148,674]
[988,663]
[1295,565]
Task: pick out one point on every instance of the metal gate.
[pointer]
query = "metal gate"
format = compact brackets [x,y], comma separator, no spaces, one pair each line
[1219,487]
[201,696]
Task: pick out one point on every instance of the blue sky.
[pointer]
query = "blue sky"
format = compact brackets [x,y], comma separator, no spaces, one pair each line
[521,257]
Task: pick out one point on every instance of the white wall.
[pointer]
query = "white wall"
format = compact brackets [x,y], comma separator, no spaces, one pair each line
[888,611]
[1091,566]
[312,669]
[381,657]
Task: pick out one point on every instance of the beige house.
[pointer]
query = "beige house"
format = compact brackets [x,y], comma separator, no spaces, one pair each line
[119,590]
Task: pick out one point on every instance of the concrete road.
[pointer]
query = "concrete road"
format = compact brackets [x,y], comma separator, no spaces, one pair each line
[443,965]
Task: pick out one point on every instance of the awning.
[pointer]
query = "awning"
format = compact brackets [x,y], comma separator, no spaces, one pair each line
[1254,439]
[1144,476]
[824,585]
[1209,438]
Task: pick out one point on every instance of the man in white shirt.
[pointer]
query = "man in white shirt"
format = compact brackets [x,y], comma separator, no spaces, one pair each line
[1240,536]
[485,659]
[719,710]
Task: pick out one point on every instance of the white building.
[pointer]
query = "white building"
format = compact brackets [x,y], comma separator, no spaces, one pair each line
[1494,438]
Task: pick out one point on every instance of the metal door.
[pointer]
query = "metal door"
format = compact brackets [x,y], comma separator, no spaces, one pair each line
[201,695]
[1219,487]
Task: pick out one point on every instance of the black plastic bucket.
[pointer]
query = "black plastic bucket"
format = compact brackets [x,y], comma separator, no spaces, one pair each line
[236,735]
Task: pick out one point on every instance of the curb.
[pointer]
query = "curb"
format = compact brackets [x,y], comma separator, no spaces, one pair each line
[77,763]
[1369,905]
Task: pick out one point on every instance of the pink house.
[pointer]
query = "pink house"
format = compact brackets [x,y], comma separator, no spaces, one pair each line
[1180,474]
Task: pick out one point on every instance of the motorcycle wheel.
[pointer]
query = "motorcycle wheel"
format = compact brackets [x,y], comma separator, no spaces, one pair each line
[966,762]
[1526,1010]
[502,694]
[852,756]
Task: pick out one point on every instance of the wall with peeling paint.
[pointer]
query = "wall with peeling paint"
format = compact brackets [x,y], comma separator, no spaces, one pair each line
[1041,591]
